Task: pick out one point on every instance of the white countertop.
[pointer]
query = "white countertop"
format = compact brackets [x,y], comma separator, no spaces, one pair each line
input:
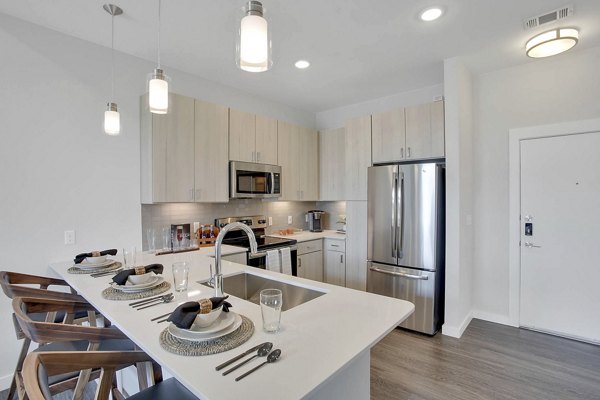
[305,236]
[317,338]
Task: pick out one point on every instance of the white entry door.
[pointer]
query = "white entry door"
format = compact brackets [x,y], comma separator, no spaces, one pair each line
[560,249]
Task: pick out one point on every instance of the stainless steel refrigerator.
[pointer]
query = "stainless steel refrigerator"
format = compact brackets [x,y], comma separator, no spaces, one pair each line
[406,233]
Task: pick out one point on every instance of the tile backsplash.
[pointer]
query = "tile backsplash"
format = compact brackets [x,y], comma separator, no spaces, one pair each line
[157,216]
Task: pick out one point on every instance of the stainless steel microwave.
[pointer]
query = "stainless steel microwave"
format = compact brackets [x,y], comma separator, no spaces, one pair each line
[251,180]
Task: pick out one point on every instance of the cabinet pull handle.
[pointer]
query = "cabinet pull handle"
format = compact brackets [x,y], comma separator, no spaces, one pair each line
[299,262]
[191,194]
[401,152]
[258,156]
[408,153]
[341,258]
[198,194]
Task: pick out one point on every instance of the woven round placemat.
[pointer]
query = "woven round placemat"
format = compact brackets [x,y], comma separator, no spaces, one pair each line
[114,294]
[212,346]
[75,270]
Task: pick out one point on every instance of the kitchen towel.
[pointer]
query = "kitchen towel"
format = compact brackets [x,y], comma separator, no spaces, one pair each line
[286,261]
[273,263]
[121,277]
[80,257]
[183,317]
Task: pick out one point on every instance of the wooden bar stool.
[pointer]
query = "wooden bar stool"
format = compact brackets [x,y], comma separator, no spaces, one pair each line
[15,284]
[53,336]
[38,366]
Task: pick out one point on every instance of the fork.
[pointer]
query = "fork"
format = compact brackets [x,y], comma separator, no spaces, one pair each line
[165,299]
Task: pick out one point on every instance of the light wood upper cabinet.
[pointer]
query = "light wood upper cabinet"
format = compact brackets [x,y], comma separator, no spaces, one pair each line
[167,152]
[266,140]
[211,150]
[298,156]
[358,157]
[388,136]
[425,131]
[252,138]
[332,167]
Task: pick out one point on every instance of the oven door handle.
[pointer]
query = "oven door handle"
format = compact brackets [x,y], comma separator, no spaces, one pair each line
[262,254]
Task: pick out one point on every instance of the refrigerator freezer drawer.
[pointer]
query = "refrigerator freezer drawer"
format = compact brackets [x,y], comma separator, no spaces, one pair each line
[422,288]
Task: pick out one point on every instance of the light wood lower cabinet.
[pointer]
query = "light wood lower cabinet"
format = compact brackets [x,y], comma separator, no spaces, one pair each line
[335,262]
[239,258]
[310,260]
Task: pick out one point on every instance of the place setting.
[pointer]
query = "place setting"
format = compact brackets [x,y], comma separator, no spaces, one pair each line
[96,263]
[137,283]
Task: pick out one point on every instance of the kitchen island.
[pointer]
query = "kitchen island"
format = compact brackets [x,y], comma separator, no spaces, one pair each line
[325,342]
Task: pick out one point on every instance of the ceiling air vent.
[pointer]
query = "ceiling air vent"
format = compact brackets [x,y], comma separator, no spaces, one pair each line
[554,15]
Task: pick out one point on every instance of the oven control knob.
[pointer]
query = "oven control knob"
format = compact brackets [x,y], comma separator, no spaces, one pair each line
[262,221]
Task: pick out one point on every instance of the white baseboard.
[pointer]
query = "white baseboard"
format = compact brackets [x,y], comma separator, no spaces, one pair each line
[457,331]
[5,382]
[491,317]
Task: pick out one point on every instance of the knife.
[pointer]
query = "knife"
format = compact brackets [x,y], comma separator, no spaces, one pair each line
[234,359]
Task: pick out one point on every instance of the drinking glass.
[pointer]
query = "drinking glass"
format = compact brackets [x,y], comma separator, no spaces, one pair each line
[129,257]
[166,237]
[151,239]
[271,301]
[181,271]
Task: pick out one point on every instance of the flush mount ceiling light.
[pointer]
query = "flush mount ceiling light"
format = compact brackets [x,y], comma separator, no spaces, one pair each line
[552,42]
[302,64]
[112,118]
[158,83]
[431,14]
[253,47]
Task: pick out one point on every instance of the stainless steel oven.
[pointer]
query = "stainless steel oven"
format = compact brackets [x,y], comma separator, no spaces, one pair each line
[251,180]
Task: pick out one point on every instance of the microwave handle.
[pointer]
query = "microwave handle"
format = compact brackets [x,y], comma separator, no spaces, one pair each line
[270,183]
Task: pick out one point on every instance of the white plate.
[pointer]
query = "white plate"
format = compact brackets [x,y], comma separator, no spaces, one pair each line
[84,265]
[157,280]
[227,323]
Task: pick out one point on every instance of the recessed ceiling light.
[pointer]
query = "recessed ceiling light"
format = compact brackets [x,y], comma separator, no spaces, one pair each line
[552,42]
[302,64]
[431,14]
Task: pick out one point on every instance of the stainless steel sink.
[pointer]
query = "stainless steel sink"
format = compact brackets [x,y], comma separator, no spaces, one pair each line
[248,287]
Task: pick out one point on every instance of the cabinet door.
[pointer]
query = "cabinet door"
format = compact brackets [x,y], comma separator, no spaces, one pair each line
[438,136]
[332,172]
[418,131]
[358,157]
[388,136]
[266,140]
[178,125]
[242,136]
[335,268]
[288,155]
[239,258]
[356,245]
[211,165]
[309,164]
[310,266]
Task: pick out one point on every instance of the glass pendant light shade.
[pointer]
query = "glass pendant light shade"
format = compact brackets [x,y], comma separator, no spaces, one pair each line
[253,49]
[112,120]
[158,92]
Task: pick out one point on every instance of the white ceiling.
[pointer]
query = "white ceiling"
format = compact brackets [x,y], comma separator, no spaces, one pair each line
[359,50]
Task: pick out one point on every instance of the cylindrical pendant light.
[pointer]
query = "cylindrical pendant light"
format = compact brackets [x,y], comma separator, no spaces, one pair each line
[112,118]
[253,48]
[158,83]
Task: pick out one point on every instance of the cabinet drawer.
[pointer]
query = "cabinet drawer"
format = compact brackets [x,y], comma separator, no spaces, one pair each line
[335,245]
[310,246]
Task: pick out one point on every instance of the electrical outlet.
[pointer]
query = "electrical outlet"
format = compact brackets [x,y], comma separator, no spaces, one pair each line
[290,220]
[69,237]
[270,221]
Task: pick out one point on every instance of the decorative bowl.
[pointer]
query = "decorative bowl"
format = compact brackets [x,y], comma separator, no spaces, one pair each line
[140,279]
[95,260]
[206,320]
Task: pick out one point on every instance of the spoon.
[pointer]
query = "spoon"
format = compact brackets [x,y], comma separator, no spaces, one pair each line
[165,299]
[271,358]
[262,351]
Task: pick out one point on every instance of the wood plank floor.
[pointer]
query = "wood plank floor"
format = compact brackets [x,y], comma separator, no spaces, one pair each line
[490,361]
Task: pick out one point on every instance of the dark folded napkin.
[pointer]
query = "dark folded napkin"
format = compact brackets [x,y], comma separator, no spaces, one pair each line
[80,257]
[183,317]
[121,277]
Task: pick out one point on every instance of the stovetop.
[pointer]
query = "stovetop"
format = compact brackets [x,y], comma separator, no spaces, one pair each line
[263,242]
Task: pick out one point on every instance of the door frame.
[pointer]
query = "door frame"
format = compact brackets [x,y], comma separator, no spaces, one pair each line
[515,136]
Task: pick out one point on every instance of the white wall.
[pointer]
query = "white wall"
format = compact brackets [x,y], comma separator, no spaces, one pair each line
[337,117]
[459,196]
[58,170]
[563,88]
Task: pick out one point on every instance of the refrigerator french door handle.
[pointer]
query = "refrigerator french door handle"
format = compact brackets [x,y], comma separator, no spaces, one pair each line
[395,217]
[400,274]
[400,226]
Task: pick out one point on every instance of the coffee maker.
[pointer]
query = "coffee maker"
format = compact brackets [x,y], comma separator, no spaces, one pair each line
[315,220]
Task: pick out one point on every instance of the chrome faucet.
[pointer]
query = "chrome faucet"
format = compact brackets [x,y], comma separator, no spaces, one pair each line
[218,277]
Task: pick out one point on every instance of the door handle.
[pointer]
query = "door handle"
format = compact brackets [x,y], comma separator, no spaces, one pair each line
[530,245]
[400,251]
[400,274]
[341,258]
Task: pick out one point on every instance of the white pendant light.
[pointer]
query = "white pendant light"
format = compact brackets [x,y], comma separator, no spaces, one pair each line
[253,49]
[112,118]
[158,83]
[552,42]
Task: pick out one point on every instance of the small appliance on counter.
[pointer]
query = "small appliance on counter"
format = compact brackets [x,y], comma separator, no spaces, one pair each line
[315,220]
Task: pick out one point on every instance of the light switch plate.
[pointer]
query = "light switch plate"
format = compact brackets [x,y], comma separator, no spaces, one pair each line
[290,220]
[69,237]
